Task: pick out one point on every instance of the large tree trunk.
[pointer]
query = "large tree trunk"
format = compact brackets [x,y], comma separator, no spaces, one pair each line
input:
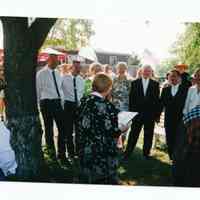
[21,44]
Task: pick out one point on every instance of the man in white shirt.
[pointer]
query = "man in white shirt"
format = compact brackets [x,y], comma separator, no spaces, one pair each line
[73,89]
[49,94]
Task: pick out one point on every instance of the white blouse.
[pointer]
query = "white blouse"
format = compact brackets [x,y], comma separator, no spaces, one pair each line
[192,100]
[7,156]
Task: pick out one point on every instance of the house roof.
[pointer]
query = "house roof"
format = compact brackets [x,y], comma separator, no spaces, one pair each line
[111,52]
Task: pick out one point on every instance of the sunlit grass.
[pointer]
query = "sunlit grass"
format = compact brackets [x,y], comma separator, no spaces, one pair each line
[153,172]
[138,171]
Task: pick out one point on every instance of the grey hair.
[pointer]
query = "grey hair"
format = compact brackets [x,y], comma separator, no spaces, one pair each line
[147,66]
[122,64]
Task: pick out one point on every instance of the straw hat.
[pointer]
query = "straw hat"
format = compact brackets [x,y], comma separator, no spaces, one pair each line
[181,66]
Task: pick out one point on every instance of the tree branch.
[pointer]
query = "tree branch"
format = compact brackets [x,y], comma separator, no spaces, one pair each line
[39,30]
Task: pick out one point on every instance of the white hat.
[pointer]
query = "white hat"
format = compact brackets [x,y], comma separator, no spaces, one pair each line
[51,51]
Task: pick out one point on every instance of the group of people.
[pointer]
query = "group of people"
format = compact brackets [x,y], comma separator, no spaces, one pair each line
[86,110]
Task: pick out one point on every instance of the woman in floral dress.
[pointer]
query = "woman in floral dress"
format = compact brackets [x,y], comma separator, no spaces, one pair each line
[98,130]
[120,94]
[121,88]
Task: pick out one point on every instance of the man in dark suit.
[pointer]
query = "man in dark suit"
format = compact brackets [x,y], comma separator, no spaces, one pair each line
[173,100]
[144,99]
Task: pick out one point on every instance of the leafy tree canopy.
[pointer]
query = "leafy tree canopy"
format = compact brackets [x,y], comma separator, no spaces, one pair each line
[70,33]
[187,47]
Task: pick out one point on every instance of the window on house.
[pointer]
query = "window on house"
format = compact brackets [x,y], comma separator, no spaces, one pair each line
[113,60]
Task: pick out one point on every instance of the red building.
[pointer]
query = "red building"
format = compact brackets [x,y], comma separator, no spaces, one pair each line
[1,57]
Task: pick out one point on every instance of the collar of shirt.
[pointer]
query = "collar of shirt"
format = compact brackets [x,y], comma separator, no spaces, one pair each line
[145,80]
[72,76]
[97,94]
[51,70]
[175,86]
[174,89]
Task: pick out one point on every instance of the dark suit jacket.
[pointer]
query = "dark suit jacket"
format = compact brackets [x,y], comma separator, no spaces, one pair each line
[147,106]
[186,79]
[173,105]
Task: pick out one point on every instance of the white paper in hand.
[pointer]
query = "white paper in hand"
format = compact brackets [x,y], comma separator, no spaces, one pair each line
[124,118]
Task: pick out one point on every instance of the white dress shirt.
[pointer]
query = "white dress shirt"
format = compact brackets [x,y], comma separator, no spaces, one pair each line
[192,100]
[174,89]
[145,84]
[45,84]
[7,155]
[68,87]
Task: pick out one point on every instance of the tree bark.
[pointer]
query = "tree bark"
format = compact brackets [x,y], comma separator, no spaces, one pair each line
[21,45]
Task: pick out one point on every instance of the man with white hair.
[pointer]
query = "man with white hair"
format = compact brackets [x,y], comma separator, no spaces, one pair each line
[144,99]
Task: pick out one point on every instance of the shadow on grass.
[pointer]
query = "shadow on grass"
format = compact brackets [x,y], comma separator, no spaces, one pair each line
[153,172]
[55,172]
[138,170]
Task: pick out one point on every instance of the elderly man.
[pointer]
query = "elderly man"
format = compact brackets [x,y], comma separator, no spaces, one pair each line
[144,99]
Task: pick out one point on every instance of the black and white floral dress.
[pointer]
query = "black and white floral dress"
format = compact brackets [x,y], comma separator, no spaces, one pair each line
[98,130]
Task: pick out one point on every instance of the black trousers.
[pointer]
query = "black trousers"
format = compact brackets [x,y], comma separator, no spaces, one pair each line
[171,128]
[137,124]
[52,110]
[70,113]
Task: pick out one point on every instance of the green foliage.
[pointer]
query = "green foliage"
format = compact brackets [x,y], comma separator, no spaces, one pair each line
[70,34]
[165,66]
[187,47]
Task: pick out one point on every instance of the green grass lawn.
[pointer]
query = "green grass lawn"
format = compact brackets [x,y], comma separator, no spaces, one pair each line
[138,171]
[153,172]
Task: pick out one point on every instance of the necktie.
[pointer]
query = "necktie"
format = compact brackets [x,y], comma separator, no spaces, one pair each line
[75,90]
[55,83]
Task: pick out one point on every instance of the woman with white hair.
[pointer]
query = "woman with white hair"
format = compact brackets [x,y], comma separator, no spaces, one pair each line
[121,88]
[120,93]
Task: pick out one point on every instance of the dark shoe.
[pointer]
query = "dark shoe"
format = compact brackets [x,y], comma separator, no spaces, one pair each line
[64,161]
[147,157]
